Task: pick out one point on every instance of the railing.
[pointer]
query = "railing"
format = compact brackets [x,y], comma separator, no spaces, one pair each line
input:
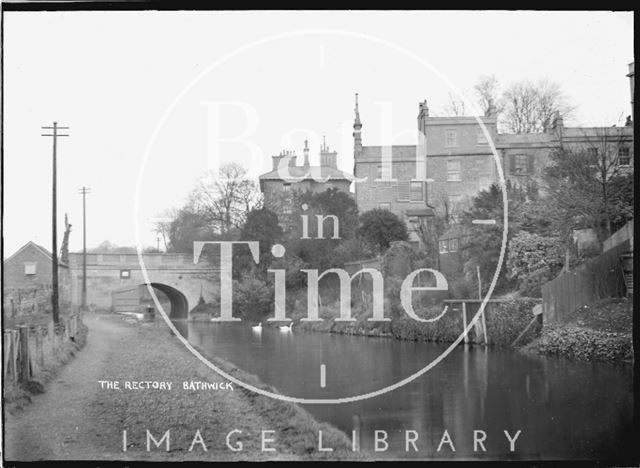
[29,349]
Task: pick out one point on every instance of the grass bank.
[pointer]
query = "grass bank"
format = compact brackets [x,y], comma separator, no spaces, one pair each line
[505,321]
[19,396]
[156,354]
[598,332]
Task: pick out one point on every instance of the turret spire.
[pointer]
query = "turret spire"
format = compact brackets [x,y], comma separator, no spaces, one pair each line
[357,129]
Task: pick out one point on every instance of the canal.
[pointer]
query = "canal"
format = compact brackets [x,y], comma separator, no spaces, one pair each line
[564,409]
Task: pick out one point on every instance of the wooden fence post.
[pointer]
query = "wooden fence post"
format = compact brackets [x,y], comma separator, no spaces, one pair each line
[484,324]
[52,337]
[39,353]
[25,365]
[15,340]
[5,355]
[464,321]
[9,350]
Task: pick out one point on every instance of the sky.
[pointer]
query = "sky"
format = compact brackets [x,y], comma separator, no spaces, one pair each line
[154,100]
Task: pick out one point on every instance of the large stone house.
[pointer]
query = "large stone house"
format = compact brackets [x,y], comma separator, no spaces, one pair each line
[286,177]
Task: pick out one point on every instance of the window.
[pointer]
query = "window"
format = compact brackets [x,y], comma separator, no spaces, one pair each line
[30,268]
[521,164]
[592,152]
[404,190]
[384,174]
[385,206]
[416,191]
[125,274]
[453,171]
[624,157]
[450,138]
[448,246]
[480,137]
[286,186]
[443,247]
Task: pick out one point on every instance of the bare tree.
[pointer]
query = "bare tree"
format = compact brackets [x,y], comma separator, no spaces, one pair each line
[586,181]
[487,92]
[224,199]
[530,107]
[162,226]
[455,106]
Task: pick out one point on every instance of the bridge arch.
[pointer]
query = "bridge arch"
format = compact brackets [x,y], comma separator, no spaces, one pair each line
[179,302]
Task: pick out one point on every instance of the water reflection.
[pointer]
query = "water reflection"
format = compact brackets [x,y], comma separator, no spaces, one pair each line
[564,409]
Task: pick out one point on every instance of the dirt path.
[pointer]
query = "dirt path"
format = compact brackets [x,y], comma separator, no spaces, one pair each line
[54,424]
[76,419]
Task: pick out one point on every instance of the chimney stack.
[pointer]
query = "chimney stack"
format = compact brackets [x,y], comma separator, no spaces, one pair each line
[423,115]
[284,153]
[306,154]
[328,158]
[492,111]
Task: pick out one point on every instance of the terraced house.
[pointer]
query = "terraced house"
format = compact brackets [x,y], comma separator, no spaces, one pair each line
[451,164]
[454,161]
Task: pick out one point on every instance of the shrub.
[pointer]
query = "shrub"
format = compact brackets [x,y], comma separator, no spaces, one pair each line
[529,253]
[531,286]
[380,227]
[252,299]
[460,289]
[508,319]
[398,260]
[585,344]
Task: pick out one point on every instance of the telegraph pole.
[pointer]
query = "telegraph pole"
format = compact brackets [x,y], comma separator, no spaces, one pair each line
[54,222]
[84,191]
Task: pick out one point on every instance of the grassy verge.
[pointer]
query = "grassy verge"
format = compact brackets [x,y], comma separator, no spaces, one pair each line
[298,428]
[19,396]
[152,355]
[597,332]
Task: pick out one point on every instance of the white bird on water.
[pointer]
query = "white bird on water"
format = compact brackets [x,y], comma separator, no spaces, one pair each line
[257,328]
[286,328]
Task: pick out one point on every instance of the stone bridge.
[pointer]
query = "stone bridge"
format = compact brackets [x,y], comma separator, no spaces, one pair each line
[182,281]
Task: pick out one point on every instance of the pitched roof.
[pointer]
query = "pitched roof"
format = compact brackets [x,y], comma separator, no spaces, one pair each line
[299,173]
[597,132]
[454,232]
[30,243]
[39,248]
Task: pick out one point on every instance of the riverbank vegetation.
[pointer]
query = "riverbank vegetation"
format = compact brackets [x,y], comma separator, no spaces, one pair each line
[17,397]
[539,245]
[598,332]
